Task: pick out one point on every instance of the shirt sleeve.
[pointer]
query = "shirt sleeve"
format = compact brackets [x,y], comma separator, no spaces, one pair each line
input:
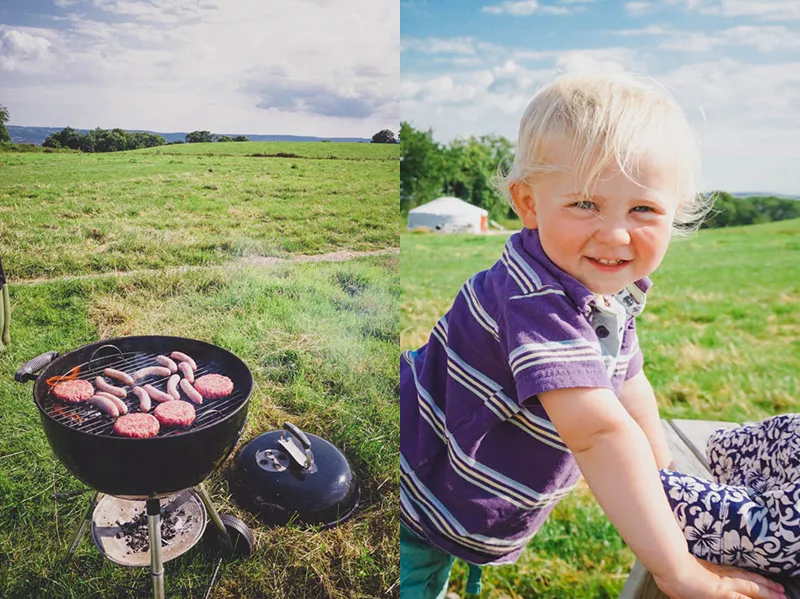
[550,345]
[630,350]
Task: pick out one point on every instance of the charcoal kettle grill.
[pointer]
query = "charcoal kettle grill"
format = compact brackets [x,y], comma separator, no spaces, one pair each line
[149,470]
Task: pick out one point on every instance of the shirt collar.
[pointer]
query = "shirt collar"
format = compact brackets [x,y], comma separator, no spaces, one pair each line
[632,297]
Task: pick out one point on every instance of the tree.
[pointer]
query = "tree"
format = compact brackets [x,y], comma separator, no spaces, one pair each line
[197,137]
[222,138]
[422,165]
[240,138]
[4,117]
[384,137]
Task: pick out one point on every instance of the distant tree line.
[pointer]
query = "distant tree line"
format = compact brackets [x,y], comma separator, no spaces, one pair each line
[102,140]
[730,211]
[384,136]
[467,169]
[118,140]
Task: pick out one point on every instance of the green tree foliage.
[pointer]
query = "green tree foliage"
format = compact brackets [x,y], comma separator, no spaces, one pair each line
[4,118]
[730,211]
[240,138]
[102,140]
[466,169]
[384,136]
[198,137]
[223,138]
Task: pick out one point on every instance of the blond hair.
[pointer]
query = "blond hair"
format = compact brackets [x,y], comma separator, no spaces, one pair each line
[620,118]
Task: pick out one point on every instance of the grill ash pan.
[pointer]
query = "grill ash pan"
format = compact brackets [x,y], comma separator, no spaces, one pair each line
[291,475]
[83,440]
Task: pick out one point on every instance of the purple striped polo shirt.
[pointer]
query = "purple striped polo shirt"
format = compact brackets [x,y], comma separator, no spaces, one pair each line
[481,464]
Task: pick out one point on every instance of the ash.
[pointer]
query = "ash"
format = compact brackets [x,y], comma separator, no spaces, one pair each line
[136,534]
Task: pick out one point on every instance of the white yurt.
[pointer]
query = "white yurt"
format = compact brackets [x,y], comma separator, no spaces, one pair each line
[449,215]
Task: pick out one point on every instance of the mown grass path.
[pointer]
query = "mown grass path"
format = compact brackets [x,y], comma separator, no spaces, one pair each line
[721,339]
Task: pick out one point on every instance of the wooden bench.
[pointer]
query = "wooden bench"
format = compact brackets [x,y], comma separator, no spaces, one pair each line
[687,441]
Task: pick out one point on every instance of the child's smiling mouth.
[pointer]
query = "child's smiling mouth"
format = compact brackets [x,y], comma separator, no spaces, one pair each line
[608,263]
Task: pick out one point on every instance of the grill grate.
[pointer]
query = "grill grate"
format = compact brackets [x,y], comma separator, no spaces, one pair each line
[85,417]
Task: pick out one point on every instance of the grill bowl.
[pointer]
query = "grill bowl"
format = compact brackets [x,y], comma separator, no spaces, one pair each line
[143,468]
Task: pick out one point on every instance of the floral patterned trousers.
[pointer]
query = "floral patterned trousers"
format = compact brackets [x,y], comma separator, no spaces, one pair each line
[749,517]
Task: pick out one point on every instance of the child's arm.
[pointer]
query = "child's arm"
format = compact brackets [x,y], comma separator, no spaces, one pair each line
[639,400]
[618,464]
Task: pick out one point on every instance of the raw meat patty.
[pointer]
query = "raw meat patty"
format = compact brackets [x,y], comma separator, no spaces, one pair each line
[213,386]
[175,413]
[138,425]
[73,391]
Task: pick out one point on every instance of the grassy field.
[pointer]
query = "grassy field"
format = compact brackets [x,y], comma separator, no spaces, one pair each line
[320,338]
[193,204]
[721,339]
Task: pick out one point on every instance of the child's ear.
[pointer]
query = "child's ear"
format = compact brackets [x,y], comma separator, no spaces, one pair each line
[524,204]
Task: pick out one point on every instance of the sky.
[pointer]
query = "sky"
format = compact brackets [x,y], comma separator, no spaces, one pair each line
[469,67]
[327,68]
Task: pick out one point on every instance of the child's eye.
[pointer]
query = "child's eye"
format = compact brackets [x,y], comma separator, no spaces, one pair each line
[584,205]
[642,209]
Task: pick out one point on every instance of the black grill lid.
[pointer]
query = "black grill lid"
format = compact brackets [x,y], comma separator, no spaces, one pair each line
[291,475]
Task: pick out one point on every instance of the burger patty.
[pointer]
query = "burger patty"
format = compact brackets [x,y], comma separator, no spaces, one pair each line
[137,425]
[73,391]
[213,386]
[175,413]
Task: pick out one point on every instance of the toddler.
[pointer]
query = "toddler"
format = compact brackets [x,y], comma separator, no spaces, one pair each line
[534,376]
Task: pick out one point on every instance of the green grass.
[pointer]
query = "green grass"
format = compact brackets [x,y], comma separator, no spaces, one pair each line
[193,204]
[340,150]
[721,339]
[321,341]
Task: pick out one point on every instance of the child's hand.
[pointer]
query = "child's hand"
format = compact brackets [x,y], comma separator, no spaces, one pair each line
[711,581]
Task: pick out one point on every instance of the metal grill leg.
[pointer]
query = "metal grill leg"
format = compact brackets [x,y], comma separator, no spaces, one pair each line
[223,532]
[82,528]
[154,536]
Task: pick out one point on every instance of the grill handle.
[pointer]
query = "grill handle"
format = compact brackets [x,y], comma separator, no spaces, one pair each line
[29,370]
[303,461]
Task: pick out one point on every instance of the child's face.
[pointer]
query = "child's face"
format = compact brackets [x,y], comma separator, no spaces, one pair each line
[609,239]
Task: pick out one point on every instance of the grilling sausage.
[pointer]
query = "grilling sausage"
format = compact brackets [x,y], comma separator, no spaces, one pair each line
[144,399]
[121,405]
[182,357]
[104,405]
[187,371]
[172,386]
[157,395]
[101,384]
[122,377]
[151,371]
[190,391]
[167,362]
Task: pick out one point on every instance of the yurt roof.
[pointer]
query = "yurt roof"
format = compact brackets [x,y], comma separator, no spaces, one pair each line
[448,205]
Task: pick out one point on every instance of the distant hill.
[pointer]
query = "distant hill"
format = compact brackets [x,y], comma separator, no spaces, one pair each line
[37,135]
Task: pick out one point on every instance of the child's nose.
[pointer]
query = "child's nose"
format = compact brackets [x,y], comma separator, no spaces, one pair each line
[613,232]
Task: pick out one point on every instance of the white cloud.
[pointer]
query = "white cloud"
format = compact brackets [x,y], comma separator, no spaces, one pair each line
[437,45]
[21,51]
[639,8]
[249,66]
[765,38]
[761,10]
[524,8]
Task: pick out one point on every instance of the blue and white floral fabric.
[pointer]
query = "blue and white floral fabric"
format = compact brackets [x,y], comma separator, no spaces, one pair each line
[749,517]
